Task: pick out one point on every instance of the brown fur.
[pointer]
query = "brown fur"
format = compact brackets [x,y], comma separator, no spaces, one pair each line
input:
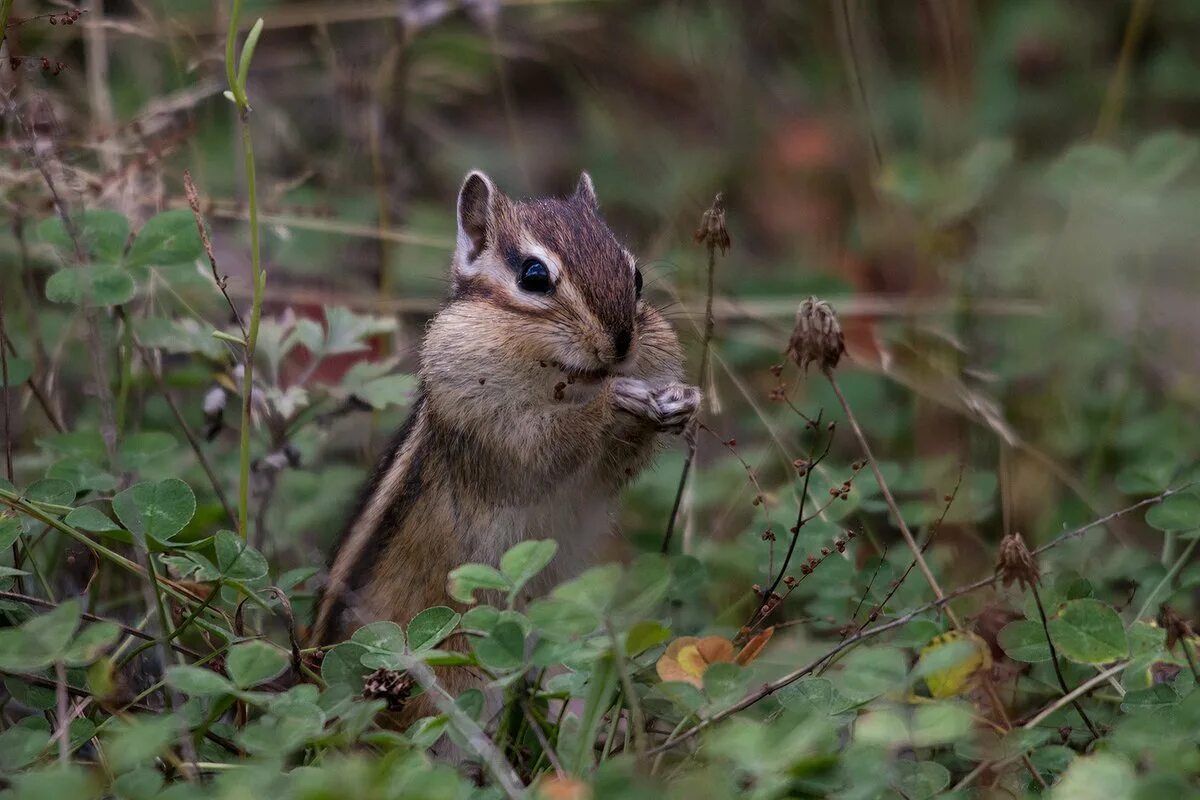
[502,445]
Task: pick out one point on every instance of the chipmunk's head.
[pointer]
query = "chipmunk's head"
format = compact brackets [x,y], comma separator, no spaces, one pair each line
[553,267]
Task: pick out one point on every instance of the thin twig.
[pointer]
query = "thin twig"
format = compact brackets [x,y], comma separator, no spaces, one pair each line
[889,499]
[712,233]
[790,678]
[1070,697]
[1062,681]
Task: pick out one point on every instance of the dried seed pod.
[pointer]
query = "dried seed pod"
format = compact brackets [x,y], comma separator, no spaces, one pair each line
[817,335]
[712,231]
[392,685]
[1016,563]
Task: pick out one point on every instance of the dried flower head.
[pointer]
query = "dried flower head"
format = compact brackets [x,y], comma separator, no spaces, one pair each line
[1016,563]
[1176,626]
[817,335]
[392,685]
[712,232]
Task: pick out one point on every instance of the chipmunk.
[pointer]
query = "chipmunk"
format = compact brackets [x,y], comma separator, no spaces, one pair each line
[545,381]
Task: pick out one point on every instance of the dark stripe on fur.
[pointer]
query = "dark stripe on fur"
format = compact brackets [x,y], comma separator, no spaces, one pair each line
[378,539]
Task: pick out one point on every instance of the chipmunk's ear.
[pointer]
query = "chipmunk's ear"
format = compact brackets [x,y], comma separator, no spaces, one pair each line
[585,192]
[478,200]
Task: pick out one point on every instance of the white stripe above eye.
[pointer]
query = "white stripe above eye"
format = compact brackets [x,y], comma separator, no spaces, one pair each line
[531,248]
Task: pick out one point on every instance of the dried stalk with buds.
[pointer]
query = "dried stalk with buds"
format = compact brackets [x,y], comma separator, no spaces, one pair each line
[713,235]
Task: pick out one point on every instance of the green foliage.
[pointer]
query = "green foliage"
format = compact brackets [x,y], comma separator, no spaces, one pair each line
[1037,376]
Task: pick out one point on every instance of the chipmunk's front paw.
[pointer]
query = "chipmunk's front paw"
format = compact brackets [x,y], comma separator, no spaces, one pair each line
[669,407]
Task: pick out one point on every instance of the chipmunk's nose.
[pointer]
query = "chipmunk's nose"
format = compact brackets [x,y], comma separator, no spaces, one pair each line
[621,342]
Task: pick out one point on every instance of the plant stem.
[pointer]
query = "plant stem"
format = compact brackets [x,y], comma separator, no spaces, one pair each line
[1062,681]
[891,501]
[702,382]
[636,720]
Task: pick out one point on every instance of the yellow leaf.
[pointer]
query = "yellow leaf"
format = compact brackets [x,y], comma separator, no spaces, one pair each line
[951,660]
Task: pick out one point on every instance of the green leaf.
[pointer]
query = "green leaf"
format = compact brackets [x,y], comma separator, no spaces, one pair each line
[1024,640]
[920,779]
[869,672]
[431,626]
[95,285]
[288,727]
[87,518]
[101,234]
[469,578]
[90,644]
[83,474]
[236,559]
[1099,775]
[383,643]
[346,332]
[183,336]
[167,238]
[641,588]
[342,666]
[135,740]
[155,510]
[503,649]
[562,620]
[50,490]
[198,681]
[725,682]
[644,635]
[138,450]
[10,531]
[525,560]
[1089,632]
[1179,512]
[70,781]
[23,742]
[40,640]
[252,663]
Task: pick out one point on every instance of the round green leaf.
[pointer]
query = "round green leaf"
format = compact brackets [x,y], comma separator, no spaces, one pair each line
[503,649]
[431,626]
[167,238]
[1024,640]
[90,644]
[1179,512]
[526,559]
[252,663]
[469,578]
[198,681]
[95,285]
[23,742]
[40,640]
[55,491]
[383,642]
[155,510]
[101,234]
[87,518]
[140,449]
[1089,632]
[236,559]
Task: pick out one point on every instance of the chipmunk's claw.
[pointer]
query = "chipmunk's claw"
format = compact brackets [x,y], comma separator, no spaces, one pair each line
[669,407]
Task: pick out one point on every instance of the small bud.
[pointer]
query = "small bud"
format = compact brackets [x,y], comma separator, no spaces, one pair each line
[817,336]
[1016,563]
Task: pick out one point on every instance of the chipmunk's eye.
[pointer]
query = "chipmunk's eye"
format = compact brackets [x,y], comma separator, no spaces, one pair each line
[637,282]
[535,277]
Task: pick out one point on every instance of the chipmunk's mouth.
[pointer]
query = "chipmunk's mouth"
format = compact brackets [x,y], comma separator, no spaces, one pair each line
[577,375]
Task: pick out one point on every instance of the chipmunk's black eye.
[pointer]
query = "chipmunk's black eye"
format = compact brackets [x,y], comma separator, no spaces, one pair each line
[535,277]
[637,282]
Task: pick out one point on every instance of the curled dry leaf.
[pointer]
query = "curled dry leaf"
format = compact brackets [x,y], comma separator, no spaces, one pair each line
[689,657]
